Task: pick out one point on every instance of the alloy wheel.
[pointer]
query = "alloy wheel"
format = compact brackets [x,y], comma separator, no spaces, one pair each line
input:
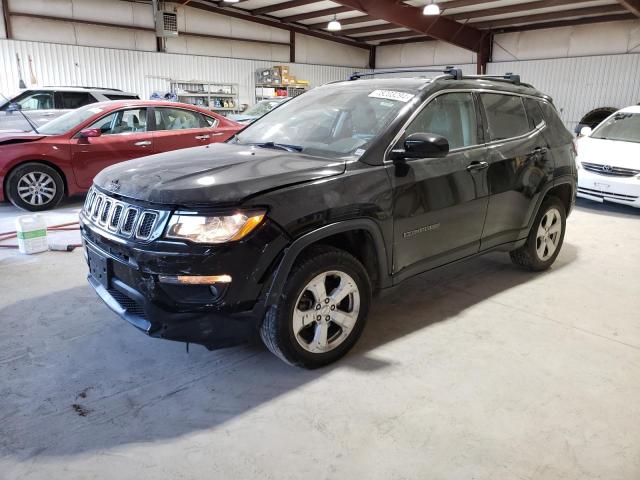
[326,311]
[36,188]
[548,235]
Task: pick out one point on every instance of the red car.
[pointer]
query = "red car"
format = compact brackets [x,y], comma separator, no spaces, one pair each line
[38,168]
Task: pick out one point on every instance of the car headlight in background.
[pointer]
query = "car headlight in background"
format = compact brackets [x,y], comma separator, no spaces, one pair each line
[214,229]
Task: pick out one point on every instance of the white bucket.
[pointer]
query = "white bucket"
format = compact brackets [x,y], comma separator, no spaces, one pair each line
[31,231]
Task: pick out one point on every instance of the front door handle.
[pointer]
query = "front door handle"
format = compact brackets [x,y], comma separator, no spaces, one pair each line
[473,166]
[217,134]
[202,137]
[540,150]
[144,143]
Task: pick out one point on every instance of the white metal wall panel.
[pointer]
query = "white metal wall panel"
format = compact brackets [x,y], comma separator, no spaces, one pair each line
[580,84]
[422,53]
[3,33]
[135,71]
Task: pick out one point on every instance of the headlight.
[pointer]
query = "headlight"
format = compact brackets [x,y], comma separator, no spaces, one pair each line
[220,229]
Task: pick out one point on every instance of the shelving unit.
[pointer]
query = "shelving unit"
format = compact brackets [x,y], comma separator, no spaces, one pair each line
[263,90]
[216,96]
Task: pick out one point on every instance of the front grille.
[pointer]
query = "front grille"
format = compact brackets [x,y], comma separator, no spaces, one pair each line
[601,194]
[609,170]
[121,218]
[130,305]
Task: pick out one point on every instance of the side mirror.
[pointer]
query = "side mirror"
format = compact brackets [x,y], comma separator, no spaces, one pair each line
[422,145]
[585,131]
[90,133]
[14,107]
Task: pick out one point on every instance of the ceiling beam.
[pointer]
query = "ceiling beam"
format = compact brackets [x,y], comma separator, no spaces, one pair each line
[344,21]
[316,14]
[274,22]
[541,17]
[412,18]
[519,7]
[371,28]
[389,36]
[460,4]
[405,40]
[568,23]
[282,6]
[632,5]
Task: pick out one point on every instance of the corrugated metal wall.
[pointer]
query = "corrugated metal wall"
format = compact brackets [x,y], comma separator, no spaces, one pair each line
[581,84]
[135,71]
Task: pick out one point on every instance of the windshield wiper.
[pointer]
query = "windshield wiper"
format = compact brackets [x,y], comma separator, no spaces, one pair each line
[279,146]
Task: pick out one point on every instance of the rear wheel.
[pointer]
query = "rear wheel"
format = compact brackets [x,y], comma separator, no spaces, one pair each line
[35,187]
[322,310]
[545,238]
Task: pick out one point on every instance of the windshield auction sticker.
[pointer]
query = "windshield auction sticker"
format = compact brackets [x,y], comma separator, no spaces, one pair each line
[392,95]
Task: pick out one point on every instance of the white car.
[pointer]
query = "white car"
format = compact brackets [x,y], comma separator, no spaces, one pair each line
[609,159]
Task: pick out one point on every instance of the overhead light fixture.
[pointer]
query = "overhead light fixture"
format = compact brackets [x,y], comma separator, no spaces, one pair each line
[334,25]
[431,9]
[230,1]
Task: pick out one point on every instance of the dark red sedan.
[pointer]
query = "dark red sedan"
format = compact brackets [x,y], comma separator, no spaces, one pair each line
[63,156]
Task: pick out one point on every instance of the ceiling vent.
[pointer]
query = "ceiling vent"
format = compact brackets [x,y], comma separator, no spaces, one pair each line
[166,24]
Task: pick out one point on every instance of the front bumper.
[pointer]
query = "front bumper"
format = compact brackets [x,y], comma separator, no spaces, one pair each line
[601,188]
[126,277]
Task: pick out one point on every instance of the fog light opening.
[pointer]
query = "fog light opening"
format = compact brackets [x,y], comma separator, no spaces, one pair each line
[194,279]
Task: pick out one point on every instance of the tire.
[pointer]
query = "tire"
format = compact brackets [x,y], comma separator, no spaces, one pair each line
[47,182]
[292,330]
[545,239]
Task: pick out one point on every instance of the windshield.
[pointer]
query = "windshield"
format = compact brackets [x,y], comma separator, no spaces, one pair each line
[622,126]
[331,121]
[69,120]
[262,107]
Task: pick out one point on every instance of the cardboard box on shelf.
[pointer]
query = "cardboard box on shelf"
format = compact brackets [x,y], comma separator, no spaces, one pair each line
[283,70]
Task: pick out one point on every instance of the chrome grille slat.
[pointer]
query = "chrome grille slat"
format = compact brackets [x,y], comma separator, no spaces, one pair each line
[121,218]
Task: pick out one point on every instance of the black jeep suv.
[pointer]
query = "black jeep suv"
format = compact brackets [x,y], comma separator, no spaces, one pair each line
[289,228]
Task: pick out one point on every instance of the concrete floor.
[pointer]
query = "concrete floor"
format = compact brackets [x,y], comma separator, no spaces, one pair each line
[477,371]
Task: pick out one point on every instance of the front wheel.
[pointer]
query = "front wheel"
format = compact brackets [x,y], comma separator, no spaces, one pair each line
[35,187]
[545,237]
[322,310]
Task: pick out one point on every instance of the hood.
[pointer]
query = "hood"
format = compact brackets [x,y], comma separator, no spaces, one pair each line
[8,138]
[609,152]
[219,173]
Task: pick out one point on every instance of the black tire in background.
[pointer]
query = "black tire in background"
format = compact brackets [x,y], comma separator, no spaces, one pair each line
[35,187]
[551,217]
[339,270]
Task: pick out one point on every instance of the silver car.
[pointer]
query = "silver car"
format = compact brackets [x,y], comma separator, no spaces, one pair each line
[42,105]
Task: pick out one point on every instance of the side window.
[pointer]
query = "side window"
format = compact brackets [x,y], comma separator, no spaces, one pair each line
[124,121]
[533,113]
[210,122]
[177,119]
[73,100]
[451,115]
[37,101]
[506,116]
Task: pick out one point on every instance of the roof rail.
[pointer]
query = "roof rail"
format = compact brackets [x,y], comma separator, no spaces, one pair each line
[84,87]
[456,73]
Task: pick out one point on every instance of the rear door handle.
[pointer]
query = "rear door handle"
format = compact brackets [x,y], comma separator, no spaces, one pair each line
[540,150]
[217,134]
[144,143]
[477,166]
[202,137]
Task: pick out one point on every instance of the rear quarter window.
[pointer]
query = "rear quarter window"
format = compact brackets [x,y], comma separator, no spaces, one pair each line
[557,133]
[506,116]
[116,96]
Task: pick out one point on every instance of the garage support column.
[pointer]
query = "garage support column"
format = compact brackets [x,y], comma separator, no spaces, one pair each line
[7,18]
[372,57]
[484,54]
[292,46]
